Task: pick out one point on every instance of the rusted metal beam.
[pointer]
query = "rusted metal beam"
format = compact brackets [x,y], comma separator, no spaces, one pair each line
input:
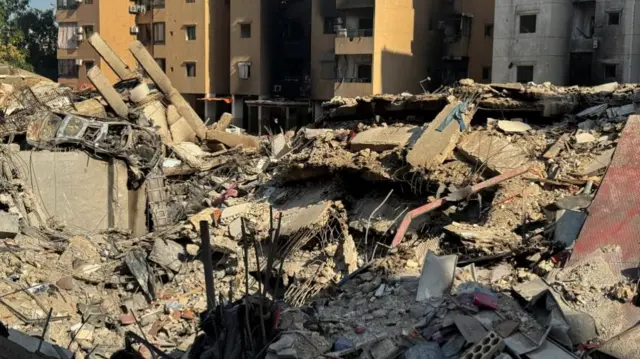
[402,229]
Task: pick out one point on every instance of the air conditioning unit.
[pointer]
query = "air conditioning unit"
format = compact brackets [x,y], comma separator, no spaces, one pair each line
[133,9]
[80,37]
[134,30]
[277,88]
[80,30]
[79,62]
[596,43]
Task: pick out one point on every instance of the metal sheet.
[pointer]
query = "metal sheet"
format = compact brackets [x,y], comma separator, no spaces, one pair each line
[614,215]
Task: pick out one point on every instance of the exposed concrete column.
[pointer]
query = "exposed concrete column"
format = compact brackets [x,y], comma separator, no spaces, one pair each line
[164,84]
[237,110]
[110,57]
[107,91]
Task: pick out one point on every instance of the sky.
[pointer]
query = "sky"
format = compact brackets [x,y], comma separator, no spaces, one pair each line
[42,4]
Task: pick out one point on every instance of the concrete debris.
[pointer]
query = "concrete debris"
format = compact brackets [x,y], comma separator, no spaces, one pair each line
[119,205]
[492,152]
[513,126]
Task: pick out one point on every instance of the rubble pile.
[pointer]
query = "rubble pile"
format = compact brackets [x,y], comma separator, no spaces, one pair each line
[442,225]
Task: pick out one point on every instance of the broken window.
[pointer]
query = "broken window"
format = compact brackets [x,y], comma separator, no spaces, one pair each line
[329,25]
[89,64]
[365,26]
[158,4]
[245,31]
[328,70]
[610,71]
[67,35]
[364,73]
[488,30]
[67,68]
[144,34]
[486,73]
[528,24]
[191,32]
[244,70]
[614,18]
[162,63]
[158,33]
[88,30]
[524,74]
[88,2]
[191,69]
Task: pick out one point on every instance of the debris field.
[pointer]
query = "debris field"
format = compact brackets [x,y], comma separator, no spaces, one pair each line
[477,221]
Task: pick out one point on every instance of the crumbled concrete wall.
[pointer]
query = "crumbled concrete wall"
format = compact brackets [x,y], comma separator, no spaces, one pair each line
[86,194]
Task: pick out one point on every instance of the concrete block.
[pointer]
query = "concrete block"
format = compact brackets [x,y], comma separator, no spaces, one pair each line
[172,115]
[433,147]
[513,126]
[167,254]
[497,154]
[156,114]
[139,93]
[489,346]
[297,218]
[182,132]
[9,225]
[91,107]
[235,210]
[87,194]
[383,138]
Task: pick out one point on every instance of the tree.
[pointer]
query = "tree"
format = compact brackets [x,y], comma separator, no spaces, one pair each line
[12,49]
[40,40]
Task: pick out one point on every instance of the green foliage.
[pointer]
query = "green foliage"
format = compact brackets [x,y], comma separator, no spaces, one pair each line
[12,50]
[28,37]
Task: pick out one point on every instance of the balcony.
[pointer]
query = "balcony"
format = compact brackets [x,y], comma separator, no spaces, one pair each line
[354,4]
[352,87]
[354,42]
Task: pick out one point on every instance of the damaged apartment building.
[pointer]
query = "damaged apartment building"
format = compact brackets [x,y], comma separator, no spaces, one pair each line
[566,42]
[272,63]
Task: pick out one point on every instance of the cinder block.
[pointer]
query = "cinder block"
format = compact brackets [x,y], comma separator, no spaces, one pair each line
[486,348]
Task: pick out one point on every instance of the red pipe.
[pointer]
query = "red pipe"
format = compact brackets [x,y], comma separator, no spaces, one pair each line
[406,221]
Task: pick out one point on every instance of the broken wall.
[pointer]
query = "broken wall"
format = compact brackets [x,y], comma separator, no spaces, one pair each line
[86,194]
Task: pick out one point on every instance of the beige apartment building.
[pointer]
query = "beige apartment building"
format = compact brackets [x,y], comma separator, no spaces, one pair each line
[188,38]
[77,20]
[289,57]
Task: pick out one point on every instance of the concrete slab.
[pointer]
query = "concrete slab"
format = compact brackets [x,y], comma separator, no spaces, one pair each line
[167,254]
[235,210]
[513,126]
[497,154]
[433,147]
[181,131]
[88,195]
[381,139]
[600,162]
[9,225]
[297,218]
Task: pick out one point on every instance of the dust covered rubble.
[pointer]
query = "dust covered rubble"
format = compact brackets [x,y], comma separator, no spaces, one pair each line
[336,194]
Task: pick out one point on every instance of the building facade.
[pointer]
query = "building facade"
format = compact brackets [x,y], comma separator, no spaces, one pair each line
[189,39]
[77,20]
[569,42]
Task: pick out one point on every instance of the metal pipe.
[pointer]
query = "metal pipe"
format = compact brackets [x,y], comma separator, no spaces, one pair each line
[402,229]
